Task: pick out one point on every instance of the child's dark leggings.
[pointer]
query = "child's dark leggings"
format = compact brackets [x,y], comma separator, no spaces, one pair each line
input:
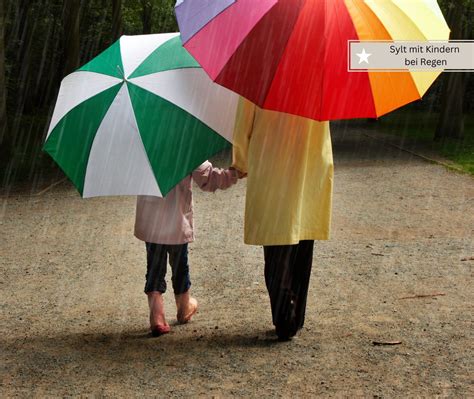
[157,263]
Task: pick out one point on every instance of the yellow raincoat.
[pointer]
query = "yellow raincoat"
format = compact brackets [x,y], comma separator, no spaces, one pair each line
[290,173]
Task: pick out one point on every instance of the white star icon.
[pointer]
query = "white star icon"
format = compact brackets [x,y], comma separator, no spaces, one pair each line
[363,57]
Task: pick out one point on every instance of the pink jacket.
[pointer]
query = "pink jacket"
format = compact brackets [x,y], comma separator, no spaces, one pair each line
[169,220]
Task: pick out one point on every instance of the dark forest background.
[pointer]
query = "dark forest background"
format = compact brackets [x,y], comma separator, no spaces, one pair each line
[41,41]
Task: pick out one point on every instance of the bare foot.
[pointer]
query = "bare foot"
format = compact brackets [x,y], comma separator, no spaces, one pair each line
[158,324]
[187,307]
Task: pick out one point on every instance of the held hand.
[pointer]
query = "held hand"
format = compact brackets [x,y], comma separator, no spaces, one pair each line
[240,174]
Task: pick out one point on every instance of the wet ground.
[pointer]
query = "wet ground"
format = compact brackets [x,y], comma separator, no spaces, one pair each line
[397,269]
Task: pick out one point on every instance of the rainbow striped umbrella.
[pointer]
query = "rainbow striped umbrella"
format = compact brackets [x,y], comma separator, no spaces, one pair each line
[138,118]
[291,55]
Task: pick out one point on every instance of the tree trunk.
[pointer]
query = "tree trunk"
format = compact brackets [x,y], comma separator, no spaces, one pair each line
[147,11]
[451,120]
[19,39]
[72,35]
[116,19]
[4,145]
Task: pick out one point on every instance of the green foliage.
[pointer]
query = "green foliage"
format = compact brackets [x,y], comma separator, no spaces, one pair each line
[165,19]
[34,41]
[417,126]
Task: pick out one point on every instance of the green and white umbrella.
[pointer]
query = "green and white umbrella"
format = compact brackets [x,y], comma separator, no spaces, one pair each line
[138,118]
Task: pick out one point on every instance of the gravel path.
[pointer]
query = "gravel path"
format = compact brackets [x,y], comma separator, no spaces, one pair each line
[74,317]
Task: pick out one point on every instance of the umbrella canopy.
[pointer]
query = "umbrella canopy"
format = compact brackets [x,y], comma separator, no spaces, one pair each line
[291,55]
[138,118]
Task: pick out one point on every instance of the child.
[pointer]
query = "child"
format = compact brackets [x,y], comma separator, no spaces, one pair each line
[166,226]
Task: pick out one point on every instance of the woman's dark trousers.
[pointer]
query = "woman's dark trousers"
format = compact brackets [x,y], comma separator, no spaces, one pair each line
[287,274]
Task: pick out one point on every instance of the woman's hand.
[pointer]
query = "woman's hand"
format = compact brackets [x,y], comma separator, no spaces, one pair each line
[240,174]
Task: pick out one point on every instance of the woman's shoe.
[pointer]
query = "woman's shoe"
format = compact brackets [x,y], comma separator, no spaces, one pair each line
[286,327]
[285,333]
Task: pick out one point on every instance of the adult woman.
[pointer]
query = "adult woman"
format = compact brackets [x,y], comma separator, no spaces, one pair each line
[288,204]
